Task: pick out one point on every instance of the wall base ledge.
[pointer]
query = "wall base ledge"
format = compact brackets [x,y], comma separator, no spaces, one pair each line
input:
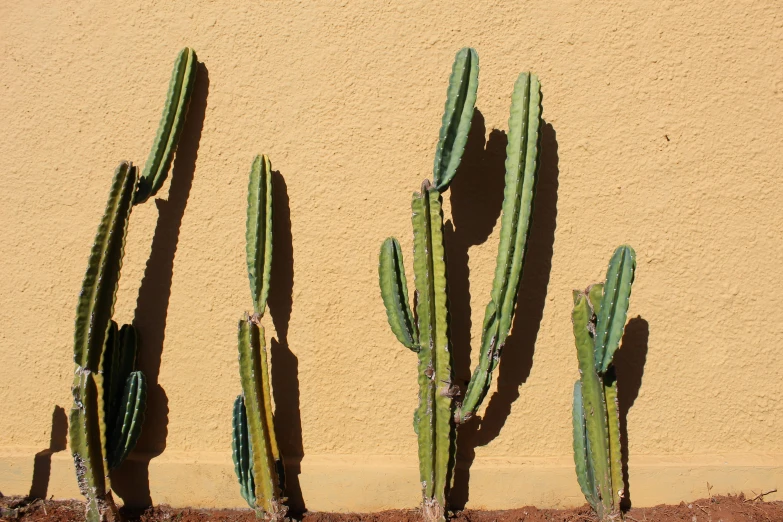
[362,483]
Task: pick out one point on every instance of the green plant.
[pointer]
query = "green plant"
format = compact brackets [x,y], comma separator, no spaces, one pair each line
[109,396]
[109,393]
[427,333]
[599,320]
[183,79]
[257,460]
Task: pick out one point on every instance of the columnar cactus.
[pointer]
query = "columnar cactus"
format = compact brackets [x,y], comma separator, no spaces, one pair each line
[183,79]
[109,394]
[599,320]
[257,460]
[426,334]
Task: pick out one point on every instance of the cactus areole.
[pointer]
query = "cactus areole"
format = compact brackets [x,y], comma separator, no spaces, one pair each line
[427,332]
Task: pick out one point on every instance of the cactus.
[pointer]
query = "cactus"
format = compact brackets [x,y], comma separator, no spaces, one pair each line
[257,460]
[427,334]
[183,78]
[599,319]
[109,396]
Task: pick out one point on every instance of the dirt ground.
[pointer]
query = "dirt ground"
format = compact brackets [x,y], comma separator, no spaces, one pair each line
[715,509]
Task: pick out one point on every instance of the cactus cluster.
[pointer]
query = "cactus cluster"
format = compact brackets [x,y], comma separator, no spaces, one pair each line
[427,333]
[257,460]
[109,393]
[598,318]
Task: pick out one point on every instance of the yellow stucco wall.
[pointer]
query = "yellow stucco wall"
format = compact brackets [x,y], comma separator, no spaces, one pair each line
[663,131]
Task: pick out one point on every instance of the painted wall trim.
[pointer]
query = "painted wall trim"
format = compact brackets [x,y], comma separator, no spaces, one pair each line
[375,482]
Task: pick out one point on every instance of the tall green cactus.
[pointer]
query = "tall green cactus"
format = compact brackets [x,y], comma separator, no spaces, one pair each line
[599,320]
[109,394]
[183,79]
[427,333]
[257,460]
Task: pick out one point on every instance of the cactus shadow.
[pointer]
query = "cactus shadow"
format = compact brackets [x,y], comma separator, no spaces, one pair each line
[131,480]
[629,363]
[517,358]
[42,465]
[285,365]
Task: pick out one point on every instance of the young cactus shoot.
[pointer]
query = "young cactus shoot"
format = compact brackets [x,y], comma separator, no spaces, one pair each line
[427,332]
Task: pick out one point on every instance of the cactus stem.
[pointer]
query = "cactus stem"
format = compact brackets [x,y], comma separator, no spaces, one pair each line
[599,320]
[436,417]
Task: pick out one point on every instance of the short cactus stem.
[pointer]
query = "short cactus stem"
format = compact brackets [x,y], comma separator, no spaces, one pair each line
[426,333]
[598,318]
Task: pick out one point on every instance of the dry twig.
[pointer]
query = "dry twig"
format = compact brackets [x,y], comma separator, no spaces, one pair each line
[760,496]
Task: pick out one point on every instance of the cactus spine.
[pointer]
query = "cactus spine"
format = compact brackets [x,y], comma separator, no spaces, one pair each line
[599,320]
[183,78]
[109,394]
[426,334]
[257,460]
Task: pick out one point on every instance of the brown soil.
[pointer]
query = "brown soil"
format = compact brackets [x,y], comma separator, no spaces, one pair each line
[715,509]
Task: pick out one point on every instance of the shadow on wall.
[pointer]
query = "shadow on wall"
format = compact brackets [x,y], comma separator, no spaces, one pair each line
[629,363]
[285,365]
[476,200]
[131,480]
[42,466]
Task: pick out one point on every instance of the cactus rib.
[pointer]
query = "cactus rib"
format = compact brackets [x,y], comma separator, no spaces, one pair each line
[394,291]
[457,117]
[156,169]
[522,155]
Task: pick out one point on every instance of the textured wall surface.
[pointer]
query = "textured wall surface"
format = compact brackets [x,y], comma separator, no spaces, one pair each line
[663,131]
